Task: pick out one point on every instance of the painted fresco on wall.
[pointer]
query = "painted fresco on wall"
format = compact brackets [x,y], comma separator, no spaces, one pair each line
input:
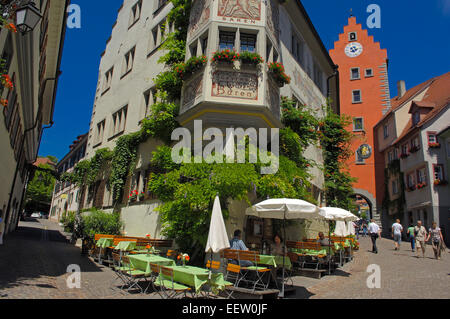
[242,9]
[235,85]
[273,18]
[192,91]
[200,14]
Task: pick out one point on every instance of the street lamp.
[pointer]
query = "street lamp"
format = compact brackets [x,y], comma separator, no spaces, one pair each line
[27,17]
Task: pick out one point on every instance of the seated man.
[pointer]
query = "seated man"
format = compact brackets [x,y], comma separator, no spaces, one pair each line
[322,240]
[237,244]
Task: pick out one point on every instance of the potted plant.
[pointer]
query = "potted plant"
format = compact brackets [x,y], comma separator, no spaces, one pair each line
[276,70]
[250,58]
[133,196]
[421,185]
[225,56]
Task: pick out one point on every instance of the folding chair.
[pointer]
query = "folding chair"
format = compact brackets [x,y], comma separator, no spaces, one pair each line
[119,269]
[132,275]
[172,254]
[259,272]
[168,287]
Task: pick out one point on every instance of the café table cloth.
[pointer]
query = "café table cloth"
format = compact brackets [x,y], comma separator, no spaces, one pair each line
[105,242]
[275,261]
[142,262]
[126,246]
[196,277]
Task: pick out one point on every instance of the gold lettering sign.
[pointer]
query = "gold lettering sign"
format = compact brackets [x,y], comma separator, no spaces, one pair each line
[235,85]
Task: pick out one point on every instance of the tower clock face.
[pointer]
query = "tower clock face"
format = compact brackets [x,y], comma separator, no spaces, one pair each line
[353,49]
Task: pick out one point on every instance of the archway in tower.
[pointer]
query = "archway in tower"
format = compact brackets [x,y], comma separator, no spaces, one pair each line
[364,206]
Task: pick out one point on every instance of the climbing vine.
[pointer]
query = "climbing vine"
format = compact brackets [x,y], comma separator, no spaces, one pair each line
[393,170]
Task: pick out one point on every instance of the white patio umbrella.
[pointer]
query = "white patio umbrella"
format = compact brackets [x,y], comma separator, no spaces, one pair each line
[341,229]
[351,228]
[337,214]
[284,208]
[217,237]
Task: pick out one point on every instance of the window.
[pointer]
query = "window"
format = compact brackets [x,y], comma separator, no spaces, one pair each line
[161,3]
[158,33]
[317,76]
[99,133]
[410,180]
[395,153]
[354,74]
[204,44]
[149,100]
[432,139]
[438,170]
[390,157]
[415,144]
[108,79]
[193,49]
[416,118]
[297,49]
[226,40]
[352,36]
[127,65]
[248,42]
[395,187]
[356,98]
[119,120]
[369,73]
[358,124]
[386,131]
[448,148]
[405,149]
[135,13]
[421,176]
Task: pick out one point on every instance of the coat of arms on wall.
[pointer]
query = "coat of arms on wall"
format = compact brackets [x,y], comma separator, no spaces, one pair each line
[242,9]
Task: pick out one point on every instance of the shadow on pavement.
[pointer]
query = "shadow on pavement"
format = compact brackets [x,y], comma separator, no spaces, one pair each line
[33,253]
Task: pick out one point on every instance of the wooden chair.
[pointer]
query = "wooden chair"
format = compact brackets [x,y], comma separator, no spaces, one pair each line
[168,287]
[258,272]
[132,275]
[172,254]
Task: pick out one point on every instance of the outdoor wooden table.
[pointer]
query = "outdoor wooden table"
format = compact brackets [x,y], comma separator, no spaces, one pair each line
[145,251]
[143,261]
[275,261]
[196,277]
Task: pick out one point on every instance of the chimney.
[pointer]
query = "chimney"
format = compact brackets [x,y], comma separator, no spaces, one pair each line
[401,88]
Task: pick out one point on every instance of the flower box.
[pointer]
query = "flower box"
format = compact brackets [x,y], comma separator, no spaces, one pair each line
[185,70]
[440,182]
[250,58]
[421,185]
[411,188]
[225,56]
[276,70]
[434,145]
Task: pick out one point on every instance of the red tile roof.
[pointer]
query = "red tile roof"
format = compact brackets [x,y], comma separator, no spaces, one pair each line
[437,97]
[43,160]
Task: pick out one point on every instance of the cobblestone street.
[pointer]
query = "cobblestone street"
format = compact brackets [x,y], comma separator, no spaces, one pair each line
[34,263]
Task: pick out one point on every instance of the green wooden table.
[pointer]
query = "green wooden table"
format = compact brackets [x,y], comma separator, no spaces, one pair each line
[126,246]
[105,242]
[143,261]
[196,277]
[275,261]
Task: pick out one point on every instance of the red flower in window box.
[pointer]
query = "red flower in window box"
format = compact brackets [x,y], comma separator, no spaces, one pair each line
[421,185]
[440,182]
[434,145]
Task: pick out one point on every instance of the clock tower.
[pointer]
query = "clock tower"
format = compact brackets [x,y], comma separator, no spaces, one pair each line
[365,97]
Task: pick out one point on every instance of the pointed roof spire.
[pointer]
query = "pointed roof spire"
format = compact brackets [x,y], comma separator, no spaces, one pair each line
[351,12]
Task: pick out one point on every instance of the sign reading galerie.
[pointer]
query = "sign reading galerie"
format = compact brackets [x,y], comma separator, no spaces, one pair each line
[235,85]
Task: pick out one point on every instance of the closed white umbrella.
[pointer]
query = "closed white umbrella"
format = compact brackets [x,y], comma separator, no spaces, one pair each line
[341,229]
[351,228]
[217,238]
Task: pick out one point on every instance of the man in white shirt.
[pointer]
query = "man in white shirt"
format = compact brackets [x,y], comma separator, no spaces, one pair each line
[397,229]
[374,233]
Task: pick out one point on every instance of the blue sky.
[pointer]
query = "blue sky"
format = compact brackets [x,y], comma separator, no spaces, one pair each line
[414,32]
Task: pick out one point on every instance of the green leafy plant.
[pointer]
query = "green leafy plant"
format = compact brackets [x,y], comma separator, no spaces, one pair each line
[276,70]
[251,58]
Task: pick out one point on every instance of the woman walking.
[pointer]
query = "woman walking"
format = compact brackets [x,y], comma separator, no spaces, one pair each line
[411,237]
[436,239]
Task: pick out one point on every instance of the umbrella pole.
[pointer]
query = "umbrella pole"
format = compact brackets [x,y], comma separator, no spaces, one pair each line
[284,253]
[329,247]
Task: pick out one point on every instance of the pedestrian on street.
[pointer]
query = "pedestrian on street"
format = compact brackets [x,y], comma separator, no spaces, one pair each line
[412,239]
[397,230]
[364,229]
[420,233]
[374,233]
[356,225]
[436,239]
